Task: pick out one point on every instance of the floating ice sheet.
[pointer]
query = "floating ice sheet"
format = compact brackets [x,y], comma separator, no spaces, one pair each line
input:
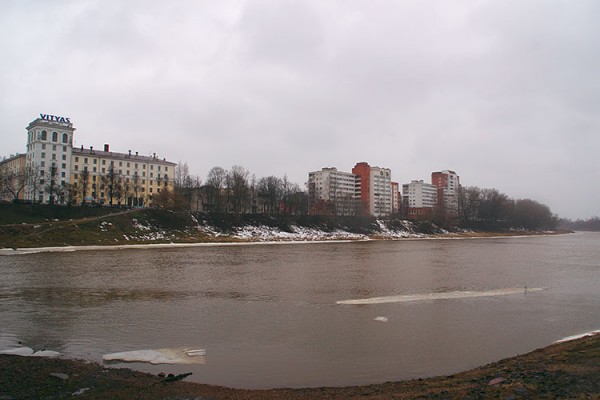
[174,355]
[438,296]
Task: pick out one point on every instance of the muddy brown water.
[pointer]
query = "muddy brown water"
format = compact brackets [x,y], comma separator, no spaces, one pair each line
[269,315]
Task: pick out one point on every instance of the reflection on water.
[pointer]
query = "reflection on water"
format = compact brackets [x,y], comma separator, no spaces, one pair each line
[268,317]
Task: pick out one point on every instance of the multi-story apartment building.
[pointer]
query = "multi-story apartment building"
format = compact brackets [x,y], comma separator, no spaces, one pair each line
[59,173]
[331,192]
[118,178]
[448,186]
[396,198]
[374,189]
[365,191]
[419,199]
[13,178]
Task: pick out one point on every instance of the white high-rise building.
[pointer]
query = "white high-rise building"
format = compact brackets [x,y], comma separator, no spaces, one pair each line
[49,149]
[420,198]
[331,192]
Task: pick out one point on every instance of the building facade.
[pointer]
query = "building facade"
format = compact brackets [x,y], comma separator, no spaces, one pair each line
[448,186]
[112,178]
[48,158]
[13,175]
[374,189]
[419,199]
[58,173]
[332,192]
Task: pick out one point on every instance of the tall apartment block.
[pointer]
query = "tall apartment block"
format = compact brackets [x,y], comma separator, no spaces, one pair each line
[448,185]
[365,191]
[375,189]
[331,192]
[419,199]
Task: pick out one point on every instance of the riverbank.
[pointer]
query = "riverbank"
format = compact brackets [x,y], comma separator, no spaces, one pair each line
[567,370]
[61,227]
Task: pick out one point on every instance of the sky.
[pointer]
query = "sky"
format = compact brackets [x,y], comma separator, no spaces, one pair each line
[505,93]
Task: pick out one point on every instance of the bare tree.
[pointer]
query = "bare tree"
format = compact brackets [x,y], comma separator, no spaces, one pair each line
[270,191]
[238,188]
[52,184]
[12,183]
[35,181]
[215,183]
[84,178]
[111,183]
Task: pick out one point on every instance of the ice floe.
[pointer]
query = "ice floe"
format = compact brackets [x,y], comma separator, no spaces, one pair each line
[29,352]
[173,355]
[438,296]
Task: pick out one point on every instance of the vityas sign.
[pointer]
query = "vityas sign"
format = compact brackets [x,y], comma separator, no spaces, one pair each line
[54,118]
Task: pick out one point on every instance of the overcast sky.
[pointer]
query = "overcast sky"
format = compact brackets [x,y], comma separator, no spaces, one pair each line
[506,93]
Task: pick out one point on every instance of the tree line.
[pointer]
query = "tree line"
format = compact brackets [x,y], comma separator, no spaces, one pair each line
[591,224]
[234,191]
[482,208]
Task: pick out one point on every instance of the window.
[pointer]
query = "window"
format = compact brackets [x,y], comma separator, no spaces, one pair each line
[120,163]
[44,135]
[62,174]
[94,169]
[103,162]
[43,146]
[76,167]
[166,168]
[76,159]
[43,164]
[65,138]
[64,166]
[54,147]
[54,137]
[43,154]
[64,157]
[85,160]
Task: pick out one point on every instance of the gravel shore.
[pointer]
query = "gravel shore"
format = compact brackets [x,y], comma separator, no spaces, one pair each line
[569,370]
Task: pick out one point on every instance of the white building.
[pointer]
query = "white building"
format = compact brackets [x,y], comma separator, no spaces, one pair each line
[420,198]
[49,149]
[381,198]
[332,192]
[59,173]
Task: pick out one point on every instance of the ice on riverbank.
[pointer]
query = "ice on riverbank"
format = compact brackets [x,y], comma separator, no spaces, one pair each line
[176,355]
[579,336]
[29,352]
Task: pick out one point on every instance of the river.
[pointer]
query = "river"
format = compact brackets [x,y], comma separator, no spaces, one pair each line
[279,315]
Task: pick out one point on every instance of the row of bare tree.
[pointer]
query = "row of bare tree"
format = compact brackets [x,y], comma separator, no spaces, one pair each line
[234,190]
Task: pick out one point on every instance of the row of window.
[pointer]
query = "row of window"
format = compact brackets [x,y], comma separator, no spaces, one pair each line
[43,135]
[95,161]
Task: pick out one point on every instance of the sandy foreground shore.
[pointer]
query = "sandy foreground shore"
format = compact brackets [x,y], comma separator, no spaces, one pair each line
[569,370]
